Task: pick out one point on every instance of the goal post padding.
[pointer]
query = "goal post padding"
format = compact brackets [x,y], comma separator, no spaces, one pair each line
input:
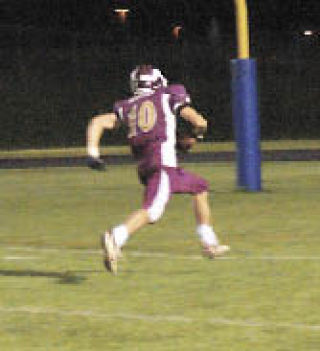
[246,123]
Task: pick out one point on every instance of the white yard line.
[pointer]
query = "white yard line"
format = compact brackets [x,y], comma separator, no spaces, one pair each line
[18,258]
[145,317]
[156,318]
[144,254]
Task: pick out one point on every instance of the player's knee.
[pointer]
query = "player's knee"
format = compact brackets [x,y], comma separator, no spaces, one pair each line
[202,186]
[155,213]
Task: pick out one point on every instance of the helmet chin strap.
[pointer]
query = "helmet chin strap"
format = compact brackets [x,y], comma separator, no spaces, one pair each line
[143,91]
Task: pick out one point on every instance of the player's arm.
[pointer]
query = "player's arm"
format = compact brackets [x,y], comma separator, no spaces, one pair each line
[97,125]
[192,116]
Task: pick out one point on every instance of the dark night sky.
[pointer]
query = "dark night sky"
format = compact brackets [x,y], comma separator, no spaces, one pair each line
[154,16]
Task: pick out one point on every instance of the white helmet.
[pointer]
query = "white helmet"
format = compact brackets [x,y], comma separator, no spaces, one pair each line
[145,79]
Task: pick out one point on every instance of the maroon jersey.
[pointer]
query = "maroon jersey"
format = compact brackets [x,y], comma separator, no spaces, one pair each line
[151,122]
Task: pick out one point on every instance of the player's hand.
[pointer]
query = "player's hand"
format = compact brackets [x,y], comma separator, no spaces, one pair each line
[96,163]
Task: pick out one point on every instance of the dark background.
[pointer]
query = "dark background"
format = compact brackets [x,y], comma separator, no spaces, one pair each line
[64,60]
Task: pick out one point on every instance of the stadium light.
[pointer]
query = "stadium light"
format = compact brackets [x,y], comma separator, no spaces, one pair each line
[122,13]
[308,32]
[176,31]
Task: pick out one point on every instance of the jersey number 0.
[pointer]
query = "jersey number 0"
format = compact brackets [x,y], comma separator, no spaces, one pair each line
[142,118]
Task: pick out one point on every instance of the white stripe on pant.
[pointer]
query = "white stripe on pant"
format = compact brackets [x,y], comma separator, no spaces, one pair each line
[158,205]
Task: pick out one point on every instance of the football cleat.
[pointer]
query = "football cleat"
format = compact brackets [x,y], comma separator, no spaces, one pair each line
[96,163]
[110,252]
[215,251]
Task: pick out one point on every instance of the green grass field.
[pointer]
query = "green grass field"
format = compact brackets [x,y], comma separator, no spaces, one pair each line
[199,147]
[56,295]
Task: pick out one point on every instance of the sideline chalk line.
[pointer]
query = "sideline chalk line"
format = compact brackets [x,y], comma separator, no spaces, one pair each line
[156,318]
[144,254]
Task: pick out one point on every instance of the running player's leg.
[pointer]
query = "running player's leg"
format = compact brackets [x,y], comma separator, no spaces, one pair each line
[157,194]
[208,237]
[201,208]
[187,182]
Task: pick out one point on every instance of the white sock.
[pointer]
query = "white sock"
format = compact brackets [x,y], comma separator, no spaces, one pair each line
[120,234]
[207,235]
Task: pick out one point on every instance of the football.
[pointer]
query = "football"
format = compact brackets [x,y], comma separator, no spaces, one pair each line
[185,143]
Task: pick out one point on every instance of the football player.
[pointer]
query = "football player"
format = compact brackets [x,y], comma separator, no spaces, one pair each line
[151,117]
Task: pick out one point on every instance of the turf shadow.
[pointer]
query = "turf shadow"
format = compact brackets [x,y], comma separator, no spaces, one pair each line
[62,277]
